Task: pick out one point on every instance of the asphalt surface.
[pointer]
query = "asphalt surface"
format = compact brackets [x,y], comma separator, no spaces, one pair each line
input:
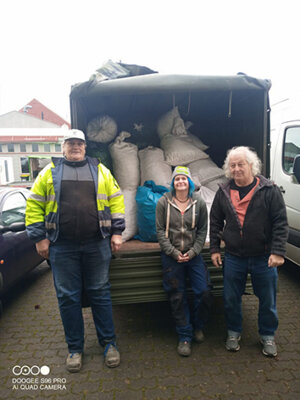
[33,351]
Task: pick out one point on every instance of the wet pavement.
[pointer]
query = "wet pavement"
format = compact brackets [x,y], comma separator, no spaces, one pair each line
[33,351]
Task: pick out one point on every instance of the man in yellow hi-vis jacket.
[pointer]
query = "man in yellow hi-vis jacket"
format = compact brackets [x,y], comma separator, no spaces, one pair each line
[75,215]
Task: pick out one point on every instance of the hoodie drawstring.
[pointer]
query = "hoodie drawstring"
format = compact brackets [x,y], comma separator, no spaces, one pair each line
[168,221]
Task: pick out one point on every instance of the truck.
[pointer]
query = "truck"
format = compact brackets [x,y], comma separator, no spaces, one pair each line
[226,111]
[285,166]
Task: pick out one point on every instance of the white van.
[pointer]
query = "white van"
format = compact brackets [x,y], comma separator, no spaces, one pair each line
[285,166]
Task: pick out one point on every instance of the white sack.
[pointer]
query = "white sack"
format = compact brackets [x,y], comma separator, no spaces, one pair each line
[154,167]
[204,171]
[102,129]
[214,185]
[208,196]
[130,215]
[171,124]
[179,151]
[125,160]
[196,141]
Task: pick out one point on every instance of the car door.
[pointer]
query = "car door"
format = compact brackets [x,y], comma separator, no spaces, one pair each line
[17,251]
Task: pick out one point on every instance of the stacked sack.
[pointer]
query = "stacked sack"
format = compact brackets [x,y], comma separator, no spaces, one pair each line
[156,176]
[133,167]
[206,173]
[127,173]
[183,148]
[153,166]
[179,146]
[102,129]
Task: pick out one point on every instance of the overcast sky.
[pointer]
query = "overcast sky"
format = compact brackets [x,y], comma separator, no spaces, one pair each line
[49,45]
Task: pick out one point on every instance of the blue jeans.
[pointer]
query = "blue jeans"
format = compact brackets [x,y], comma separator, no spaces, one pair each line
[174,282]
[78,265]
[264,282]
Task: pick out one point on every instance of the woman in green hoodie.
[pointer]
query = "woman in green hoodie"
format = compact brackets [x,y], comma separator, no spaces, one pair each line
[181,225]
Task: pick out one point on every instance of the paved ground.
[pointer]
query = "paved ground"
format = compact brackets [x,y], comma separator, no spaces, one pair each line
[31,335]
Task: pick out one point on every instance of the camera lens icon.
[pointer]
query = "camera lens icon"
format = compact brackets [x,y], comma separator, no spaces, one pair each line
[34,370]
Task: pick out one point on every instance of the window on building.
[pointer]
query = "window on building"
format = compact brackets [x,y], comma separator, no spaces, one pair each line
[291,147]
[23,148]
[0,148]
[24,165]
[11,147]
[47,148]
[57,148]
[35,147]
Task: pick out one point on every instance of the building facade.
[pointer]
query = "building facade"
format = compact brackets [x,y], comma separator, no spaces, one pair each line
[25,152]
[28,140]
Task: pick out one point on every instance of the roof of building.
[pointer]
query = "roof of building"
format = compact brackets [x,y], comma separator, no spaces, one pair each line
[15,119]
[37,109]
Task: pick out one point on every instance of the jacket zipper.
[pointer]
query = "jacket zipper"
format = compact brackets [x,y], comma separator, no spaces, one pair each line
[182,241]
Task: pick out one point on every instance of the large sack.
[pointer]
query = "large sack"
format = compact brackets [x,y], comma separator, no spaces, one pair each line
[130,215]
[180,150]
[102,129]
[147,197]
[196,141]
[125,160]
[171,124]
[153,166]
[208,196]
[204,171]
[214,185]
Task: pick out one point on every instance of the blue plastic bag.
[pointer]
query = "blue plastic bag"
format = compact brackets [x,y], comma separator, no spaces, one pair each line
[146,198]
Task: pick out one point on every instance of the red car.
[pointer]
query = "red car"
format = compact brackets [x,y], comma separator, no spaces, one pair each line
[17,252]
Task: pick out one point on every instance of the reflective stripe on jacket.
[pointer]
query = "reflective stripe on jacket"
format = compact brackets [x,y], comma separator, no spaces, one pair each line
[42,211]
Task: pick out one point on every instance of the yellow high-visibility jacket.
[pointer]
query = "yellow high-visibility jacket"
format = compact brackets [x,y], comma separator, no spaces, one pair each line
[42,211]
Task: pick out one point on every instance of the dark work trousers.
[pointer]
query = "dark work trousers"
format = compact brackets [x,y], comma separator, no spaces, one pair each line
[175,281]
[76,265]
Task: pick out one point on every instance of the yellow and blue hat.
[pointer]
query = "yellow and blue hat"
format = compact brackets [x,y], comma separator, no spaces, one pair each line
[181,170]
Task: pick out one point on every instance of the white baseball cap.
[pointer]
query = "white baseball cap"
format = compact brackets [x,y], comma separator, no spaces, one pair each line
[74,134]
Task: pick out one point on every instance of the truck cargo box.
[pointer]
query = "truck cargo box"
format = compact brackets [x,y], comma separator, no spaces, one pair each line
[226,111]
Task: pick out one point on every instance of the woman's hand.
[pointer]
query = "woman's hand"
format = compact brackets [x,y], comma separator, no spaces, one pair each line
[183,258]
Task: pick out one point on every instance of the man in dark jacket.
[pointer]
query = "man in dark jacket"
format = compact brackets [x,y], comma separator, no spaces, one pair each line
[249,215]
